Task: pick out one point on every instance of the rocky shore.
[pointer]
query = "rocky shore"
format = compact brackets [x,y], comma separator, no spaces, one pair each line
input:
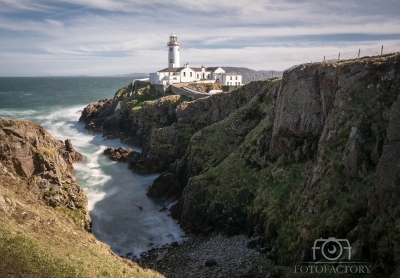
[215,256]
[311,155]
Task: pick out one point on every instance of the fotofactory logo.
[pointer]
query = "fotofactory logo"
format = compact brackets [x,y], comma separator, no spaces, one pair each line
[334,256]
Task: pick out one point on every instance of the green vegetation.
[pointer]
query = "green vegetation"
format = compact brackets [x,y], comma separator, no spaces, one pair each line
[124,91]
[138,101]
[39,241]
[304,199]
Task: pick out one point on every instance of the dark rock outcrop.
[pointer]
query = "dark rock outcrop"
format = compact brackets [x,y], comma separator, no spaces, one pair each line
[385,191]
[95,114]
[313,155]
[327,152]
[119,154]
[166,185]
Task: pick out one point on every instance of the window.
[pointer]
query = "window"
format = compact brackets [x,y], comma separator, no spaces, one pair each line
[170,60]
[170,49]
[197,76]
[191,74]
[236,77]
[238,83]
[184,74]
[231,77]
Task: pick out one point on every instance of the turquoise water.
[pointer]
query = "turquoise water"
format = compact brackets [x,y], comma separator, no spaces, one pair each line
[114,192]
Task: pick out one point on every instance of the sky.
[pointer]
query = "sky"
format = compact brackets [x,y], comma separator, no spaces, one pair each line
[107,37]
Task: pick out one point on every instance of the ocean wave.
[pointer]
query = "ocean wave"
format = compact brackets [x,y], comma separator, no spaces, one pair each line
[122,214]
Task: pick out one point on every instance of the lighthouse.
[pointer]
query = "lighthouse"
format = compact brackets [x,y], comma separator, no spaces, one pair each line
[173,52]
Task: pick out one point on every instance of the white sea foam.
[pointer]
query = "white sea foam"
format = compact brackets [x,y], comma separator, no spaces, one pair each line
[123,216]
[16,114]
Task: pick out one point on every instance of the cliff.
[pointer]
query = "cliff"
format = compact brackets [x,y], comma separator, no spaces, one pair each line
[288,161]
[43,211]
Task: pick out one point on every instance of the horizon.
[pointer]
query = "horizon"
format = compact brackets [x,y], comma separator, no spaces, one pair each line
[106,38]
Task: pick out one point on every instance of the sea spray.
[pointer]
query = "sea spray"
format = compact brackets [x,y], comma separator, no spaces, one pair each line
[114,192]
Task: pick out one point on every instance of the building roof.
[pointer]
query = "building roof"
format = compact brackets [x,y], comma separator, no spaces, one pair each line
[212,68]
[171,69]
[194,69]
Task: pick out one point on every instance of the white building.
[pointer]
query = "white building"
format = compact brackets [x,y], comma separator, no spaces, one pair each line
[176,74]
[231,79]
[173,52]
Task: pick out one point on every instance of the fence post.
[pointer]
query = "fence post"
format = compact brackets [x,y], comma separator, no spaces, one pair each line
[359,50]
[382,50]
[338,57]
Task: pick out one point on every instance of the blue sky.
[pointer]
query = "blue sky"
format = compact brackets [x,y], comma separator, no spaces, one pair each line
[106,37]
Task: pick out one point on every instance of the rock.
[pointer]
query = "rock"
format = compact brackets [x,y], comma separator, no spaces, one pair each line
[210,262]
[4,206]
[353,157]
[120,154]
[46,163]
[139,206]
[214,256]
[95,114]
[162,255]
[385,191]
[276,173]
[75,156]
[166,185]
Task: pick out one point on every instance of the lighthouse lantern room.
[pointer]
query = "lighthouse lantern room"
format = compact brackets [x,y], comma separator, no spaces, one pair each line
[173,52]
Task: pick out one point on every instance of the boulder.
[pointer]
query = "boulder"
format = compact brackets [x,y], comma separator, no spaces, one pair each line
[166,185]
[120,154]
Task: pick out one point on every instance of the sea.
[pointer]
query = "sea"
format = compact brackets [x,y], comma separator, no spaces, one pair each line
[122,215]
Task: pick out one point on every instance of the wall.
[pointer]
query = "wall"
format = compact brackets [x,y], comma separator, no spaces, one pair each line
[227,88]
[178,91]
[174,55]
[160,88]
[154,77]
[233,79]
[187,78]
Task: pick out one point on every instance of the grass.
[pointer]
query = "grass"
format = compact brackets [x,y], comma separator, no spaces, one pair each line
[39,241]
[138,101]
[334,205]
[49,151]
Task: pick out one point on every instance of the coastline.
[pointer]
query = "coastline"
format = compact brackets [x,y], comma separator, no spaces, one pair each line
[215,256]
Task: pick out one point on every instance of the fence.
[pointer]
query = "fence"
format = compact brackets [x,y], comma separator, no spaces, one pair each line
[360,53]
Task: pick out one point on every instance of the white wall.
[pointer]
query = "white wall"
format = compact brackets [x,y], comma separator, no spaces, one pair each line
[232,79]
[173,54]
[154,77]
[217,74]
[185,75]
[199,75]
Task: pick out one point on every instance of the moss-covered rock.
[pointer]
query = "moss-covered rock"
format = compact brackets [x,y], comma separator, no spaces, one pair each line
[313,164]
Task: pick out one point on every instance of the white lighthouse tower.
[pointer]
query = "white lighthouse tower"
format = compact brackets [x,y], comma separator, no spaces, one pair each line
[173,52]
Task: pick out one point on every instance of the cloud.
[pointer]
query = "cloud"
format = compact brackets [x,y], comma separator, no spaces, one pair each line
[130,35]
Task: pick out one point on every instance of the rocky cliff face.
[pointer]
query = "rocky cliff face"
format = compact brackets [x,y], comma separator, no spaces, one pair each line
[161,124]
[287,161]
[45,163]
[320,162]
